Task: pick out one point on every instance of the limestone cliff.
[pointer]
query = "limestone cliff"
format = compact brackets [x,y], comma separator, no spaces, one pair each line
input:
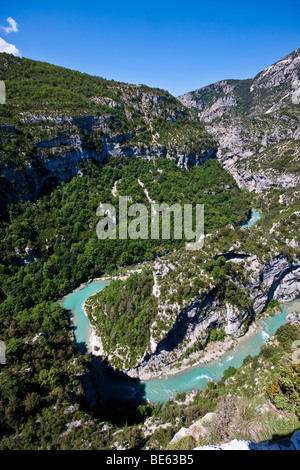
[249,117]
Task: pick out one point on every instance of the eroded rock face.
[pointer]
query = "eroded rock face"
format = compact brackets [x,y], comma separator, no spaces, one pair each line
[278,279]
[197,431]
[247,117]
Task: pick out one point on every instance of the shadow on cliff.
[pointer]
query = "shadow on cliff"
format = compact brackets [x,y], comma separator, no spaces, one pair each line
[289,441]
[113,396]
[179,330]
[48,185]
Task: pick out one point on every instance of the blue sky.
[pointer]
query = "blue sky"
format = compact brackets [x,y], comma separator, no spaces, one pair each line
[178,46]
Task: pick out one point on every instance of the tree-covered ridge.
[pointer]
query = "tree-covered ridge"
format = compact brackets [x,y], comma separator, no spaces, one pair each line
[242,402]
[61,229]
[128,320]
[55,120]
[125,326]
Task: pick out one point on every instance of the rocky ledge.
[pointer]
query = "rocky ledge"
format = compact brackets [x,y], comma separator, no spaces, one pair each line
[292,443]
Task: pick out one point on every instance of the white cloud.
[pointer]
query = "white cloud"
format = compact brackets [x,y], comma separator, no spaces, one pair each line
[5,46]
[12,28]
[9,48]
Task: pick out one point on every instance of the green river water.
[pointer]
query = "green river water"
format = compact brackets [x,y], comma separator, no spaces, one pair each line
[163,388]
[160,389]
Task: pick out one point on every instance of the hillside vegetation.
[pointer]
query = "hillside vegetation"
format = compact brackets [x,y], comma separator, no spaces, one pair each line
[70,142]
[55,120]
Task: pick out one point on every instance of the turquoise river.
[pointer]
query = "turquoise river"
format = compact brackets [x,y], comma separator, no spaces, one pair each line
[255,216]
[163,388]
[160,389]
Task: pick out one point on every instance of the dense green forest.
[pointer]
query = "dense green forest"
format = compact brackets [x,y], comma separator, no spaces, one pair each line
[61,228]
[126,325]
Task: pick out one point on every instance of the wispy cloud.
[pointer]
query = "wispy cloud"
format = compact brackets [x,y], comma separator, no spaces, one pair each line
[5,46]
[12,28]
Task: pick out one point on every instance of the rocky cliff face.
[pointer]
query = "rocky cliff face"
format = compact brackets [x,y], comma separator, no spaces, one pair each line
[292,443]
[187,327]
[247,117]
[199,431]
[29,182]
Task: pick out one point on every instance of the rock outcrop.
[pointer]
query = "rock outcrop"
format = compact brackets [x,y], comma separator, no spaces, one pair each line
[278,279]
[197,430]
[200,433]
[292,443]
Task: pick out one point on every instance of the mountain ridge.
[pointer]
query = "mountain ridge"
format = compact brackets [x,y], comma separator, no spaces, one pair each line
[247,117]
[56,120]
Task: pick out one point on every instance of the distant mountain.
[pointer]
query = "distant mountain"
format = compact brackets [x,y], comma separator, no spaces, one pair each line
[255,121]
